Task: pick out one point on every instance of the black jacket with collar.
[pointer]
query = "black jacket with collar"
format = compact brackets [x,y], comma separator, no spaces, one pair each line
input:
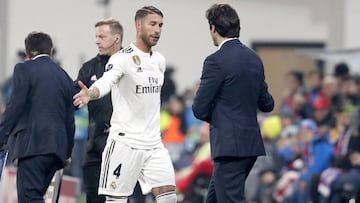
[100,110]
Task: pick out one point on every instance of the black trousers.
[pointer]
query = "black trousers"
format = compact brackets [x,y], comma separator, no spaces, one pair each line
[34,175]
[227,184]
[91,182]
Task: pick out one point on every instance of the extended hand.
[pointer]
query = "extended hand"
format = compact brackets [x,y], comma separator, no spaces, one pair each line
[83,97]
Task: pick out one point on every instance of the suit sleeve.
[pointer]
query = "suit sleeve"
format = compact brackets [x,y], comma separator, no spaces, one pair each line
[211,81]
[266,101]
[17,102]
[70,131]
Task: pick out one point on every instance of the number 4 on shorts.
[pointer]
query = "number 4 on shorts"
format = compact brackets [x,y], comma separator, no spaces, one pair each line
[117,171]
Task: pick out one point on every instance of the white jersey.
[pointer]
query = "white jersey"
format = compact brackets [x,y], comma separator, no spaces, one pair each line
[135,79]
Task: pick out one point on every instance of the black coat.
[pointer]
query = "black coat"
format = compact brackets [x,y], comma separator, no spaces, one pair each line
[39,118]
[100,110]
[231,90]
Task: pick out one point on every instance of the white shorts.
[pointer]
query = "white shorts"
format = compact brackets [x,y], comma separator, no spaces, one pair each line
[122,166]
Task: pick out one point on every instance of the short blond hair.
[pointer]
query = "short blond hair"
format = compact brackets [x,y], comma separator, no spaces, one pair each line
[115,26]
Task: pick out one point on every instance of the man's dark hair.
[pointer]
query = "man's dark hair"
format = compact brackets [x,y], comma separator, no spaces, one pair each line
[144,11]
[225,19]
[38,43]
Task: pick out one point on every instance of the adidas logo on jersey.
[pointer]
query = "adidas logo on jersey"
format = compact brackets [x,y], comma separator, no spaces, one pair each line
[127,50]
[139,69]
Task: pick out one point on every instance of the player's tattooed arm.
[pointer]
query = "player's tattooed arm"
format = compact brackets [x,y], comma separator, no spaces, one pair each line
[94,93]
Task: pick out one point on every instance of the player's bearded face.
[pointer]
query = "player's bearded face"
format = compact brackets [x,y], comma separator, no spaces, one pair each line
[151,29]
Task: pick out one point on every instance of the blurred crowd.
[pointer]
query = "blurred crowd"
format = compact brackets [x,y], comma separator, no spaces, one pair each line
[312,143]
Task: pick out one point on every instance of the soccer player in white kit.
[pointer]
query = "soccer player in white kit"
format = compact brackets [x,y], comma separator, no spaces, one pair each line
[134,149]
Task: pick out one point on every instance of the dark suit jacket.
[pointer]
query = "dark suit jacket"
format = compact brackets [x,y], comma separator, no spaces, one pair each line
[231,90]
[39,118]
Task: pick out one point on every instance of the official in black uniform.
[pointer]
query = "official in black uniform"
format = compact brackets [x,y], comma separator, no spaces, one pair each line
[109,34]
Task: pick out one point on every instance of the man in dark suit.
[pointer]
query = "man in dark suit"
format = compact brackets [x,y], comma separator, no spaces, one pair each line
[38,123]
[231,90]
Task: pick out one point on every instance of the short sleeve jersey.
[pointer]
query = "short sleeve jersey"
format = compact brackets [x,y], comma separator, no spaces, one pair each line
[135,79]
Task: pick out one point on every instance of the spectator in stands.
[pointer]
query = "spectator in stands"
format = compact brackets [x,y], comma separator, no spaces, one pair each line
[350,90]
[301,108]
[193,124]
[174,134]
[331,90]
[169,87]
[314,86]
[316,154]
[345,168]
[324,115]
[294,85]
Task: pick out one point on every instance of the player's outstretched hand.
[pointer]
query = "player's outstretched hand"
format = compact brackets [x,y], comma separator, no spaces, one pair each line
[83,97]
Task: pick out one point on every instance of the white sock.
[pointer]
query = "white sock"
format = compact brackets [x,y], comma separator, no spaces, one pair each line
[111,199]
[168,197]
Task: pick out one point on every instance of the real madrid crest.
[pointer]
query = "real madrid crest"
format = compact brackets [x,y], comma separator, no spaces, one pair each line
[136,60]
[113,185]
